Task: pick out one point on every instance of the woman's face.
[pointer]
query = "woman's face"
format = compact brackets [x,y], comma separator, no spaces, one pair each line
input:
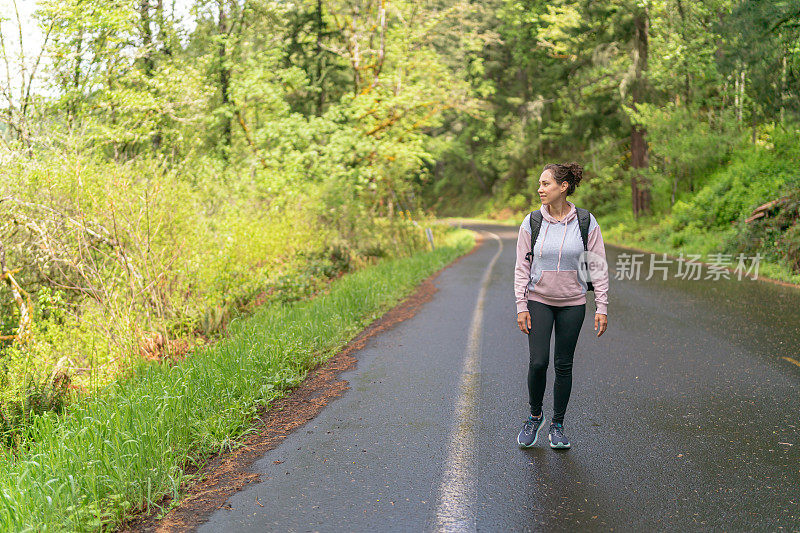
[549,189]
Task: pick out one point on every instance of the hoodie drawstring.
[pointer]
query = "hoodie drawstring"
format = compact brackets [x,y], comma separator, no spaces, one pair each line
[543,238]
[558,266]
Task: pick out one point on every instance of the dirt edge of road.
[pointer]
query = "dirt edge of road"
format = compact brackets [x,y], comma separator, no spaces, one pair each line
[225,474]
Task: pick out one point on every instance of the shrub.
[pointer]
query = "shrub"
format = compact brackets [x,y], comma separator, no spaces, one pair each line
[775,236]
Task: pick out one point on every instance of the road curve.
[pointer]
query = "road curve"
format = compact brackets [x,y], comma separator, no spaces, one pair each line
[683,415]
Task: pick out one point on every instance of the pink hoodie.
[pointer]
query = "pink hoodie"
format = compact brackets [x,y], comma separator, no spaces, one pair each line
[553,277]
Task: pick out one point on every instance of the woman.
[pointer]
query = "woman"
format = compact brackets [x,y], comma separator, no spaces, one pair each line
[550,292]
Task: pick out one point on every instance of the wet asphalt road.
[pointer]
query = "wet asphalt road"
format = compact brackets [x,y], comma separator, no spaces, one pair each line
[683,415]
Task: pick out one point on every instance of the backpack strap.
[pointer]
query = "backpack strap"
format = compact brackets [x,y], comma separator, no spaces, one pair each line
[536,223]
[583,223]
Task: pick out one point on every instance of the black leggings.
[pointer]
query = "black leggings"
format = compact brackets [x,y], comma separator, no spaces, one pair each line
[568,321]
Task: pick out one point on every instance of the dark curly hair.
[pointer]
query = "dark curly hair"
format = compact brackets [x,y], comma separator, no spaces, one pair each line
[572,172]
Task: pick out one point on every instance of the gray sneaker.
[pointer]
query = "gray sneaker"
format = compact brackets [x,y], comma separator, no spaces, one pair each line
[530,431]
[557,437]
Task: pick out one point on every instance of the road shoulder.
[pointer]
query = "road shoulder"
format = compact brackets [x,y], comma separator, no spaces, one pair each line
[227,473]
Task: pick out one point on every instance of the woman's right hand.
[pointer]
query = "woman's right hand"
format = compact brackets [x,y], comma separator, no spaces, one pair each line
[524,322]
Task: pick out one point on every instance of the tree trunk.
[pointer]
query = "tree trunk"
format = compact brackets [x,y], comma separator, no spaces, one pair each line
[72,107]
[147,37]
[355,49]
[783,85]
[640,191]
[224,78]
[163,36]
[382,51]
[739,94]
[686,82]
[320,57]
[148,44]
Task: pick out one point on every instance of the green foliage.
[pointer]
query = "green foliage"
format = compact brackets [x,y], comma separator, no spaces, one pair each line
[602,189]
[755,176]
[130,444]
[179,177]
[776,236]
[684,143]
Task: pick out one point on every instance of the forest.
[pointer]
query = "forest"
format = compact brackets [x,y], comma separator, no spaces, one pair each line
[169,168]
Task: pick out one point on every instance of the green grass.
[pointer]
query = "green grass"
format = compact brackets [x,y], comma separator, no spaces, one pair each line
[123,449]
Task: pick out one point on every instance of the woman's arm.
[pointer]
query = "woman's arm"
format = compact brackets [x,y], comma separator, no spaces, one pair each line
[522,268]
[599,279]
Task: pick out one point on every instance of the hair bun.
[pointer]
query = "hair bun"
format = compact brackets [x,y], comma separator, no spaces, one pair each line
[577,172]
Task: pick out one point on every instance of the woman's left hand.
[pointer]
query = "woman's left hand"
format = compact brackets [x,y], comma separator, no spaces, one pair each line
[600,321]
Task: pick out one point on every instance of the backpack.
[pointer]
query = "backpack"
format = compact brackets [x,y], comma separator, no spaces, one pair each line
[583,224]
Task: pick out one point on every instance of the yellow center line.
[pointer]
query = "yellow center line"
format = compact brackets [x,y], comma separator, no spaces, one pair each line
[455,511]
[791,360]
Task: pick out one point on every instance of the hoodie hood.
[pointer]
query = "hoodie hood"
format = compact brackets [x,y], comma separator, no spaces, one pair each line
[573,213]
